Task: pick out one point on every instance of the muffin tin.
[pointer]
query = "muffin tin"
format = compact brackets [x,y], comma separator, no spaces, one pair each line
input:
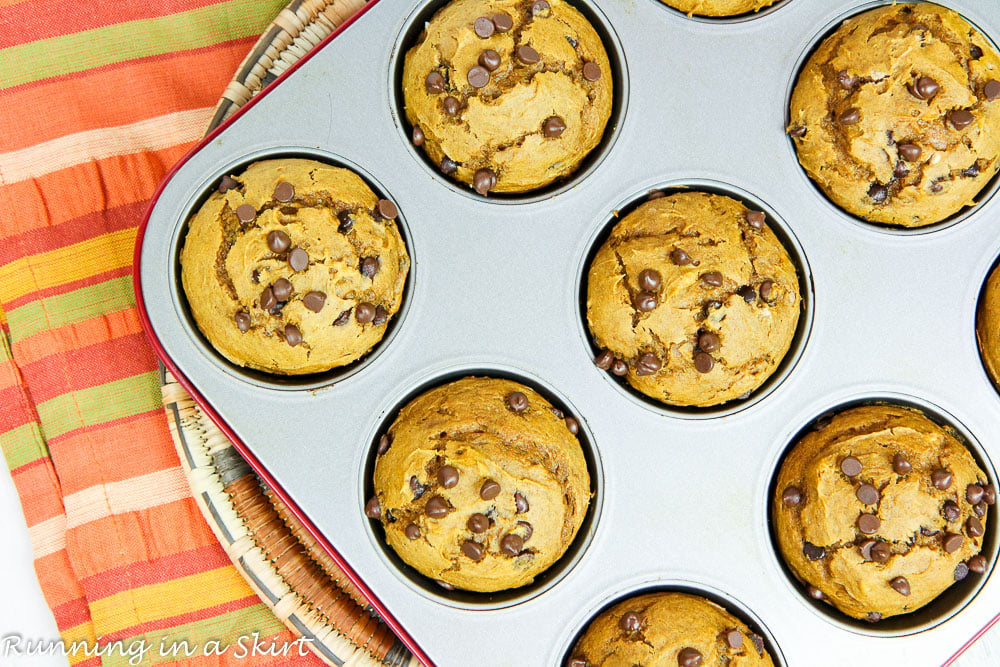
[682,497]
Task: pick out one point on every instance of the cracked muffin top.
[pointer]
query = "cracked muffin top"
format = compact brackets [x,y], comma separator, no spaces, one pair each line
[480,484]
[988,326]
[693,299]
[507,95]
[880,510]
[718,7]
[668,629]
[293,267]
[896,116]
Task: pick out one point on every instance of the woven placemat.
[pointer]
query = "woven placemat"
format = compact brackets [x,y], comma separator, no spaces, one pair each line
[278,557]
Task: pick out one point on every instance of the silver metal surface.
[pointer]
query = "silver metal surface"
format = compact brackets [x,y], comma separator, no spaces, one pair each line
[496,287]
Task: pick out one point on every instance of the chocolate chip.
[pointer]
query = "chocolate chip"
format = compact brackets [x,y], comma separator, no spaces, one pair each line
[679,257]
[975,52]
[478,523]
[798,131]
[572,425]
[766,288]
[373,510]
[748,293]
[849,117]
[734,638]
[346,221]
[977,564]
[974,527]
[909,152]
[282,289]
[941,478]
[900,170]
[989,494]
[952,542]
[417,136]
[630,621]
[758,643]
[924,88]
[528,529]
[435,83]
[971,171]
[873,617]
[284,191]
[578,662]
[553,127]
[604,359]
[227,183]
[242,321]
[878,193]
[815,593]
[711,278]
[298,259]
[867,494]
[950,510]
[448,166]
[961,571]
[880,552]
[900,465]
[369,266]
[246,213]
[591,71]
[708,341]
[689,657]
[527,55]
[484,27]
[448,476]
[991,90]
[961,118]
[650,280]
[900,585]
[851,466]
[866,548]
[539,7]
[478,77]
[619,368]
[791,496]
[813,552]
[364,313]
[386,209]
[503,22]
[847,81]
[645,302]
[384,443]
[343,318]
[648,364]
[416,487]
[489,490]
[511,544]
[473,550]
[381,315]
[444,584]
[484,180]
[450,105]
[936,187]
[278,241]
[517,401]
[703,363]
[436,507]
[928,532]
[489,59]
[980,509]
[869,524]
[292,335]
[520,503]
[412,531]
[755,219]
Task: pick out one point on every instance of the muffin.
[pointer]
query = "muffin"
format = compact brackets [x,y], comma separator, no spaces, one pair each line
[880,510]
[718,7]
[507,95]
[668,629]
[293,267]
[988,326]
[896,116]
[480,484]
[693,299]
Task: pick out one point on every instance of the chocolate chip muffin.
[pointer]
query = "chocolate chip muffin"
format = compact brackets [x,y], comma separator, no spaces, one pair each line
[480,484]
[718,7]
[668,629]
[896,116]
[693,299]
[988,326]
[507,95]
[879,510]
[293,267]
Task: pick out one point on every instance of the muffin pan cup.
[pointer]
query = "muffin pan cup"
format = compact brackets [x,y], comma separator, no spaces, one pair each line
[497,287]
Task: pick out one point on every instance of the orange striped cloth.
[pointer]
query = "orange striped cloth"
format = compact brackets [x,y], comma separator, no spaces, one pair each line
[97,100]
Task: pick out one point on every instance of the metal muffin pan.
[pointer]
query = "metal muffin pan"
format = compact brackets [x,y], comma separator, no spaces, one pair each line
[495,289]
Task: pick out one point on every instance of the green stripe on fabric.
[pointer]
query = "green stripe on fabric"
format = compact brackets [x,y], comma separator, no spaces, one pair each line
[85,50]
[225,628]
[100,404]
[76,306]
[23,445]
